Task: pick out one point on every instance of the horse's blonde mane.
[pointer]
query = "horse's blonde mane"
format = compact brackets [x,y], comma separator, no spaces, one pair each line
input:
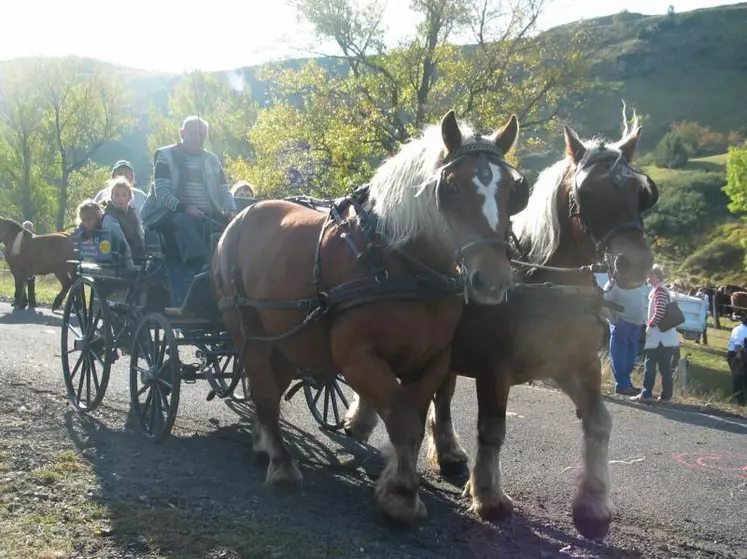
[402,216]
[537,227]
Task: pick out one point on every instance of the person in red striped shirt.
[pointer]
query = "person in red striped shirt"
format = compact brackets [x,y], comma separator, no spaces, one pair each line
[660,347]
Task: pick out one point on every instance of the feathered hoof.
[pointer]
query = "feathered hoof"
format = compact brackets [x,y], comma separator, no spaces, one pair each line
[400,505]
[493,508]
[283,473]
[592,517]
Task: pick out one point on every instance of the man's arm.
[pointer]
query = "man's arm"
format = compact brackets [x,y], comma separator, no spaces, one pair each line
[162,184]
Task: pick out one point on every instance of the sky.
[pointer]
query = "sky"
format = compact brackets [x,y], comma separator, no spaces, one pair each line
[183,35]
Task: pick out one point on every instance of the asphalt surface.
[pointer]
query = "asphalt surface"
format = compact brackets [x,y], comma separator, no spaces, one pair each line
[679,478]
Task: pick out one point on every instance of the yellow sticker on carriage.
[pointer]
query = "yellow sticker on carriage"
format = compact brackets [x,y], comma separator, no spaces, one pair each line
[105,246]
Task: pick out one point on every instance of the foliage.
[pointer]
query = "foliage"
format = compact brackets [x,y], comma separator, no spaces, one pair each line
[671,152]
[329,127]
[701,140]
[86,106]
[84,184]
[690,203]
[736,178]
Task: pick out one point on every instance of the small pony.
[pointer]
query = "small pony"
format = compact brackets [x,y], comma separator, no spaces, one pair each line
[29,255]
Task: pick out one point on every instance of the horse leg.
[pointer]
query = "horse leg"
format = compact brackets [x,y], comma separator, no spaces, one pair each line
[592,507]
[32,291]
[403,409]
[489,501]
[267,436]
[444,451]
[19,298]
[360,419]
[64,278]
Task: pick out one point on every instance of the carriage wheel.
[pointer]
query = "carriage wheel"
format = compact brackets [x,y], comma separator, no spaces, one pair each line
[155,376]
[86,345]
[327,400]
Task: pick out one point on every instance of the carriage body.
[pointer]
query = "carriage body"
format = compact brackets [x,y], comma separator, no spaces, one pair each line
[164,315]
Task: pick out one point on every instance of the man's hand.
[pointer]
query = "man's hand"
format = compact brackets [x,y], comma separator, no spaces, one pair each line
[194,211]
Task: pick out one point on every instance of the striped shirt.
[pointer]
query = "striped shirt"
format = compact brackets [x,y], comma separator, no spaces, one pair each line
[660,298]
[194,192]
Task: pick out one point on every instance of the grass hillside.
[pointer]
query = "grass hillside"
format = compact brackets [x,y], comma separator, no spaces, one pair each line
[693,231]
[689,66]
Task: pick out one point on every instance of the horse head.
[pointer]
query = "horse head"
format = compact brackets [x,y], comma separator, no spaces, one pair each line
[453,190]
[9,230]
[607,198]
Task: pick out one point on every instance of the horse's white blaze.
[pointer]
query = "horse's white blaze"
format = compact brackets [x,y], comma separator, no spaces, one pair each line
[490,205]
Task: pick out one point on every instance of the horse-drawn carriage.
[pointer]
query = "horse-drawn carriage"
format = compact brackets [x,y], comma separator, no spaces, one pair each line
[154,311]
[428,242]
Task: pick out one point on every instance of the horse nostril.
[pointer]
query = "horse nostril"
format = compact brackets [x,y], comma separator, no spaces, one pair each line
[476,280]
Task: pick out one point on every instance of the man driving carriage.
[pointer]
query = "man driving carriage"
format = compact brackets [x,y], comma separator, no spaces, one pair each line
[189,189]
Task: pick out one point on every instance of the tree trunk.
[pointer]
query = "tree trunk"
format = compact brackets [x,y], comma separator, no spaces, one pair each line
[26,209]
[63,199]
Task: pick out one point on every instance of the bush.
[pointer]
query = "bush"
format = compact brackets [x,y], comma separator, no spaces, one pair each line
[671,152]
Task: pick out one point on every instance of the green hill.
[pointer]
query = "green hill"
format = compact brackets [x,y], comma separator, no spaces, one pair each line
[680,67]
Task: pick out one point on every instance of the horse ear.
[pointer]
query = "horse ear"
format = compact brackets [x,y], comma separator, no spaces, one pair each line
[574,147]
[506,137]
[450,132]
[627,145]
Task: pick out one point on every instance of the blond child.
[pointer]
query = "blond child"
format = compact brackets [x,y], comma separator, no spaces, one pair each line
[126,216]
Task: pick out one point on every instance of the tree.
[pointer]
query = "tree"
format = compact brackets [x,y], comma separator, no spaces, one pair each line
[86,106]
[671,152]
[370,98]
[21,137]
[736,178]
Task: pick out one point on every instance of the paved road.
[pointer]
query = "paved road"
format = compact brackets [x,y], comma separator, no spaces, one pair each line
[679,477]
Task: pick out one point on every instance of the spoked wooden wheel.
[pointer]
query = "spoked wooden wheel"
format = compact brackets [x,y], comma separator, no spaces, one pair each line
[155,376]
[86,345]
[227,378]
[328,400]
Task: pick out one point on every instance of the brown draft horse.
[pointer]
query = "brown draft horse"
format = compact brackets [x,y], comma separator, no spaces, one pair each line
[36,255]
[439,207]
[584,209]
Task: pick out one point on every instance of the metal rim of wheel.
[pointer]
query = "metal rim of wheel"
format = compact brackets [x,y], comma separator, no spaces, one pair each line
[92,338]
[155,376]
[327,394]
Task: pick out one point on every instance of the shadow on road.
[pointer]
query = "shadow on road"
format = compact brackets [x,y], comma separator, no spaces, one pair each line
[30,316]
[691,414]
[203,495]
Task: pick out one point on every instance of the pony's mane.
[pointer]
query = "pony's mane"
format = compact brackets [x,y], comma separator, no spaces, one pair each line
[537,227]
[402,216]
[12,222]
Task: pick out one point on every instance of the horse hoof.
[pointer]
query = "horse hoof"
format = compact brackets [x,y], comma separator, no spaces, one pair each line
[453,469]
[591,522]
[401,505]
[493,510]
[283,473]
[356,433]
